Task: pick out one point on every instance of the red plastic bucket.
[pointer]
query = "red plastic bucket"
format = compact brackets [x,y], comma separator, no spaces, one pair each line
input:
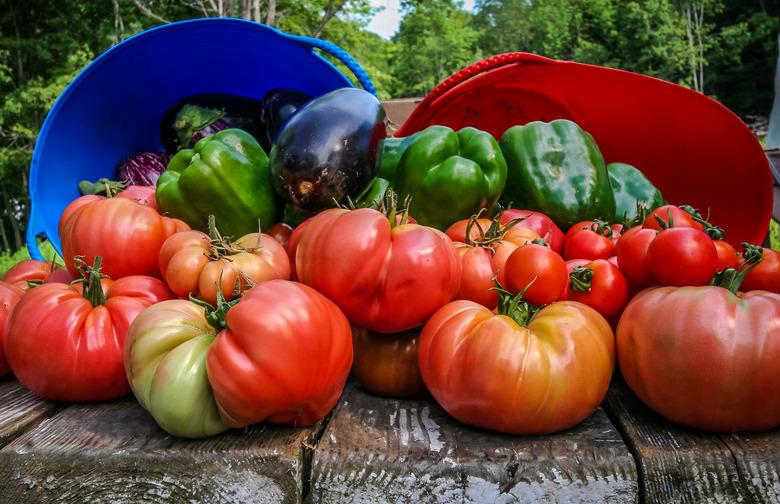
[691,147]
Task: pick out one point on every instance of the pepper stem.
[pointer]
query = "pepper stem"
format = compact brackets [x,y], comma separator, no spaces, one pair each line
[513,306]
[732,278]
[581,279]
[90,277]
[103,185]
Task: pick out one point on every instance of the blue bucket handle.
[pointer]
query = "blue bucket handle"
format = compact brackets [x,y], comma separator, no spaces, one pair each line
[341,55]
[34,230]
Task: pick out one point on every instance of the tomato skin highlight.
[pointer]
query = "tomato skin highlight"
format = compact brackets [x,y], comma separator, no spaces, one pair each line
[704,357]
[288,365]
[683,256]
[63,348]
[486,370]
[540,265]
[128,235]
[385,279]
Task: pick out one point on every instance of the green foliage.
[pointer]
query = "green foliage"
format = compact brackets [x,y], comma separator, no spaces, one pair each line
[774,235]
[9,259]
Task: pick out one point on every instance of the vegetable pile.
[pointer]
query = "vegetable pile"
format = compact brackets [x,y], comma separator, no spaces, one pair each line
[278,244]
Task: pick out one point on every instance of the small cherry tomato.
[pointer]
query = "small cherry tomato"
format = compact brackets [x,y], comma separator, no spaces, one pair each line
[281,232]
[540,265]
[766,275]
[632,258]
[539,223]
[679,218]
[683,256]
[727,255]
[600,285]
[589,240]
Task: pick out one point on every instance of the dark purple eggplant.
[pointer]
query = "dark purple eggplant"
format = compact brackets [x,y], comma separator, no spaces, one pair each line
[277,106]
[143,168]
[227,111]
[328,149]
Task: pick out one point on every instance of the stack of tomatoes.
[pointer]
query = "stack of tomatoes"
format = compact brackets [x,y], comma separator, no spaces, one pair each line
[507,321]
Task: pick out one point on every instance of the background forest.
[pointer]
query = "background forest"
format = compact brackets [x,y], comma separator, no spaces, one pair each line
[724,48]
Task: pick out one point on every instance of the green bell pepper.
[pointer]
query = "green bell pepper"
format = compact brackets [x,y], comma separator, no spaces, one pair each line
[556,168]
[632,190]
[390,151]
[450,176]
[226,175]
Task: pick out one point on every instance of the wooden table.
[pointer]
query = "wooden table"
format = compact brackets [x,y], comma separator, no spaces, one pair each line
[373,450]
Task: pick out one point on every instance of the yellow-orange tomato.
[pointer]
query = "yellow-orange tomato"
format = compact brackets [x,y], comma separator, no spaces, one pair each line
[191,264]
[488,370]
[386,364]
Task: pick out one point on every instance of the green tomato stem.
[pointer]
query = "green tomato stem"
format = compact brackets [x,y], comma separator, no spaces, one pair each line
[581,279]
[513,306]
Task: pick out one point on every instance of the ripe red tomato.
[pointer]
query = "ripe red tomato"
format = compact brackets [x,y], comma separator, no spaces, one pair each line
[727,255]
[30,272]
[284,356]
[386,364]
[540,265]
[281,232]
[386,279]
[598,284]
[680,218]
[632,257]
[192,264]
[766,275]
[590,240]
[10,295]
[492,371]
[683,256]
[704,357]
[538,223]
[625,236]
[66,343]
[126,234]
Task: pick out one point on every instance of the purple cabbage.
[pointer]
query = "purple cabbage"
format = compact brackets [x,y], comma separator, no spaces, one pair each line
[143,168]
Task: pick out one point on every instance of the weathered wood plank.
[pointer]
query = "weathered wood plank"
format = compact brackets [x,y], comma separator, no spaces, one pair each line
[687,466]
[378,450]
[758,462]
[20,410]
[114,452]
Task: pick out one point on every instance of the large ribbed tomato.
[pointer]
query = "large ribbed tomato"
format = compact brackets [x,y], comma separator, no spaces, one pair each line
[491,371]
[9,295]
[385,278]
[65,342]
[284,356]
[192,263]
[127,234]
[703,356]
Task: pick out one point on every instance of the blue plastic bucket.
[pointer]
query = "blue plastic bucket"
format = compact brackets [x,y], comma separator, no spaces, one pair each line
[113,108]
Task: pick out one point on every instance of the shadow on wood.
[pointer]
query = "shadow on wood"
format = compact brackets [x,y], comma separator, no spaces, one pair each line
[20,410]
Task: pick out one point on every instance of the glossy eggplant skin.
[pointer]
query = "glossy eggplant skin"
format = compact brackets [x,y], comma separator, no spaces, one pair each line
[277,106]
[328,149]
[240,112]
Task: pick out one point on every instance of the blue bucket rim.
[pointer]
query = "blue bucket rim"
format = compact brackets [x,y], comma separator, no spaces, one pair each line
[33,230]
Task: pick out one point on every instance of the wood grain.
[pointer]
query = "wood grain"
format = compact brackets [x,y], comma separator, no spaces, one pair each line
[20,410]
[377,450]
[682,465]
[114,452]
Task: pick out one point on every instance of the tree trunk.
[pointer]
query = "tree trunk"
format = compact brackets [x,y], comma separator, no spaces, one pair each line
[688,21]
[119,26]
[4,238]
[270,16]
[334,6]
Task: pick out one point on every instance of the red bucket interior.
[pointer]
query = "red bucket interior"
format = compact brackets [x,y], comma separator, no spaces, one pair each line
[691,147]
